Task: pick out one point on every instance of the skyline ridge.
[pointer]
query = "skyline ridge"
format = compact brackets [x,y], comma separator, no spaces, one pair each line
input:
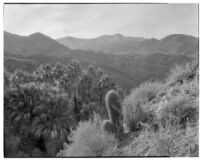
[98,36]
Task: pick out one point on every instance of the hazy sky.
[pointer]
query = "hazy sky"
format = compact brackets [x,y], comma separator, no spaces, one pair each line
[92,20]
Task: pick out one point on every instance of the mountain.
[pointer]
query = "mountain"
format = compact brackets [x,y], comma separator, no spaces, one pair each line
[28,52]
[121,45]
[36,43]
[178,44]
[115,44]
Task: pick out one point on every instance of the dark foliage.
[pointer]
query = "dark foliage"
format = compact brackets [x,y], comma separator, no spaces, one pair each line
[43,107]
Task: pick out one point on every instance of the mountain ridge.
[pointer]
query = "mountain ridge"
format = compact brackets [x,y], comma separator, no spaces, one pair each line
[36,43]
[119,44]
[128,70]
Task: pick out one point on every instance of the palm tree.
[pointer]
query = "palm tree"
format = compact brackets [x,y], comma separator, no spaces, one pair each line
[59,70]
[20,103]
[44,73]
[84,88]
[54,118]
[74,73]
[20,77]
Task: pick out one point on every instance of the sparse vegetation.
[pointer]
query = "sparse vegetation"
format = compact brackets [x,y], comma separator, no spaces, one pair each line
[179,72]
[133,110]
[178,111]
[168,142]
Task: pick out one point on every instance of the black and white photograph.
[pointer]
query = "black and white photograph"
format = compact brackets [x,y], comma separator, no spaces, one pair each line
[100,80]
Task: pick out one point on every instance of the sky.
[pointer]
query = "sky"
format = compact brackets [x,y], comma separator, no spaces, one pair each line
[93,20]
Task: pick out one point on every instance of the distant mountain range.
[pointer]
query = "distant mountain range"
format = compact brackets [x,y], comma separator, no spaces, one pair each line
[114,44]
[36,43]
[129,70]
[121,45]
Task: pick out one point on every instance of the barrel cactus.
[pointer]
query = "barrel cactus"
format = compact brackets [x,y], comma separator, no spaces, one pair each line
[113,107]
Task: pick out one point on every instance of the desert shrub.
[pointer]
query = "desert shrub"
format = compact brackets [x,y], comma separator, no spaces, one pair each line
[177,143]
[177,111]
[180,72]
[141,146]
[146,91]
[89,140]
[166,142]
[191,88]
[133,111]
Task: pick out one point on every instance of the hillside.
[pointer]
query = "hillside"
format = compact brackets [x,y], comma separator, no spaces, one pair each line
[176,44]
[128,70]
[121,45]
[159,119]
[31,62]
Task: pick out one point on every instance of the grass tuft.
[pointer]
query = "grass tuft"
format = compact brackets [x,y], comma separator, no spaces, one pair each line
[180,72]
[178,111]
[133,112]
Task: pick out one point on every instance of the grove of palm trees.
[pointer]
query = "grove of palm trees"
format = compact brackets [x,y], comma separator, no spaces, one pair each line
[41,108]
